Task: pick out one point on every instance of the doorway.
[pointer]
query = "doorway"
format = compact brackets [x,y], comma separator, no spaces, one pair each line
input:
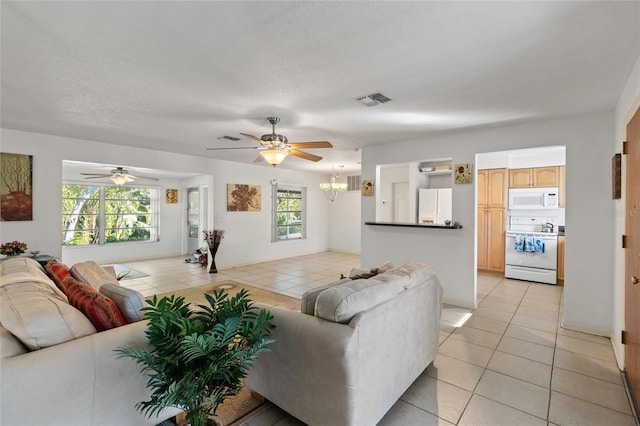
[401,202]
[193,219]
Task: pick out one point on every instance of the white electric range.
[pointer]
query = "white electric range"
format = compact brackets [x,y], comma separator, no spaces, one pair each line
[530,253]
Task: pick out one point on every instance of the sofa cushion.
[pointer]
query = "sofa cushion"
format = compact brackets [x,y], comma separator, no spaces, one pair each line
[17,264]
[410,274]
[93,274]
[9,344]
[130,302]
[39,317]
[58,273]
[308,304]
[343,302]
[102,311]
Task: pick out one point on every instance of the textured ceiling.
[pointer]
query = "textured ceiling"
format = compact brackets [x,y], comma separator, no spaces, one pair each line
[176,76]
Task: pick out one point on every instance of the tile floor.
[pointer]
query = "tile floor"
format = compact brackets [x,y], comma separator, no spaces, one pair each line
[506,363]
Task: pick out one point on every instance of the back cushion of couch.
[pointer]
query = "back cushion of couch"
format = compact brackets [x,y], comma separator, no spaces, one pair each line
[39,317]
[308,303]
[20,264]
[129,301]
[410,274]
[343,302]
[93,274]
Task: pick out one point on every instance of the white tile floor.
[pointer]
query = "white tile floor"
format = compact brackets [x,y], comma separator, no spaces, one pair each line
[509,363]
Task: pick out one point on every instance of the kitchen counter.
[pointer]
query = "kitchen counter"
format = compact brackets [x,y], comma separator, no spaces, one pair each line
[415,225]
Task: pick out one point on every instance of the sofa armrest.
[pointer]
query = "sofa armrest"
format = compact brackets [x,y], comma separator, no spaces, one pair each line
[311,356]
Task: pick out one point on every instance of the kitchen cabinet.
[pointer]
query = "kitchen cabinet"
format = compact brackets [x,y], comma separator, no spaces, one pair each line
[561,257]
[538,177]
[562,176]
[492,191]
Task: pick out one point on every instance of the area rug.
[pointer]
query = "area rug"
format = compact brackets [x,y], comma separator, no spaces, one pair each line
[237,407]
[125,273]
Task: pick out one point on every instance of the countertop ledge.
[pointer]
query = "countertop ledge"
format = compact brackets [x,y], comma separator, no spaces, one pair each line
[414,225]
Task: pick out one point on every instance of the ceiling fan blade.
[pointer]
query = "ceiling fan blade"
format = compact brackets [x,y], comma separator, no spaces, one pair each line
[310,145]
[235,147]
[141,177]
[255,138]
[97,175]
[305,155]
[259,159]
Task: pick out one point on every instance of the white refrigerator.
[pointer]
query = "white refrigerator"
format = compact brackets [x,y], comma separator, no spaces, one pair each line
[434,205]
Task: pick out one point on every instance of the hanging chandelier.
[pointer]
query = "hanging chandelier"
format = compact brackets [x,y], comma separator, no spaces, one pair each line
[331,189]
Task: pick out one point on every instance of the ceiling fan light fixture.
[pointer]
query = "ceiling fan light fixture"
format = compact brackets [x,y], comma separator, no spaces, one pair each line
[119,179]
[274,156]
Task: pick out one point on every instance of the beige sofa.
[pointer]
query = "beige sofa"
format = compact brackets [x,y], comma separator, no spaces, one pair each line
[61,371]
[364,345]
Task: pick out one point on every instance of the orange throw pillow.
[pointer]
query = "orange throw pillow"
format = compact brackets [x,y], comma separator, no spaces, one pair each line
[101,311]
[58,272]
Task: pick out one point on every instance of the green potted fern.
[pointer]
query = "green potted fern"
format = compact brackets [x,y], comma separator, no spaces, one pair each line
[198,357]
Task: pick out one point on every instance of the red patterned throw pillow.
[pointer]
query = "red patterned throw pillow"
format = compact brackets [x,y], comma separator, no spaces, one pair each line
[58,272]
[101,311]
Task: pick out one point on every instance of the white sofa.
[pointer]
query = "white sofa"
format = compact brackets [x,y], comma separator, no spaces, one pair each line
[366,343]
[77,382]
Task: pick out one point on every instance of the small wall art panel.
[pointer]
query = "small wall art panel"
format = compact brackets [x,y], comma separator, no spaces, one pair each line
[16,187]
[172,196]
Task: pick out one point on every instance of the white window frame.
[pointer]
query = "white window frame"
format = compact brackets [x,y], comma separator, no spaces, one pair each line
[274,211]
[154,227]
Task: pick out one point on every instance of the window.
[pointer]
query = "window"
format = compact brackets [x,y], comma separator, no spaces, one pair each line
[289,213]
[93,214]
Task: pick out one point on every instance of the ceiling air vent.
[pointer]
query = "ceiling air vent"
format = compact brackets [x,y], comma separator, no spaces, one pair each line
[373,100]
[231,138]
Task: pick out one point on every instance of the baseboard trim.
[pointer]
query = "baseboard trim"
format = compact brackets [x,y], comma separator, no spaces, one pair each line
[584,328]
[459,303]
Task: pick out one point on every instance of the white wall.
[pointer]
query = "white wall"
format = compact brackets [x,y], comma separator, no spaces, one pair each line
[345,222]
[627,106]
[248,237]
[588,293]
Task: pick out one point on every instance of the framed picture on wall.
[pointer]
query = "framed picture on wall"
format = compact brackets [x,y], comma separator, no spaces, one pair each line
[367,188]
[244,198]
[462,173]
[172,196]
[16,187]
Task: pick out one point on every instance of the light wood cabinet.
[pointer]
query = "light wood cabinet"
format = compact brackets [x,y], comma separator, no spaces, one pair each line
[539,177]
[520,178]
[561,258]
[562,177]
[492,192]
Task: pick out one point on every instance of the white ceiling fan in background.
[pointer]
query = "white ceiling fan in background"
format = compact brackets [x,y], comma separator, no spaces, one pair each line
[119,176]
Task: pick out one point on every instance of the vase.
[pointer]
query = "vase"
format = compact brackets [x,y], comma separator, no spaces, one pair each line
[212,252]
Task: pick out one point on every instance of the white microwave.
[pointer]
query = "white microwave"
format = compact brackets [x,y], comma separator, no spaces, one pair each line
[533,198]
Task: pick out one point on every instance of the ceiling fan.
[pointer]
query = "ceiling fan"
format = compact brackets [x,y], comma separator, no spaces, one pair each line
[119,176]
[276,147]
